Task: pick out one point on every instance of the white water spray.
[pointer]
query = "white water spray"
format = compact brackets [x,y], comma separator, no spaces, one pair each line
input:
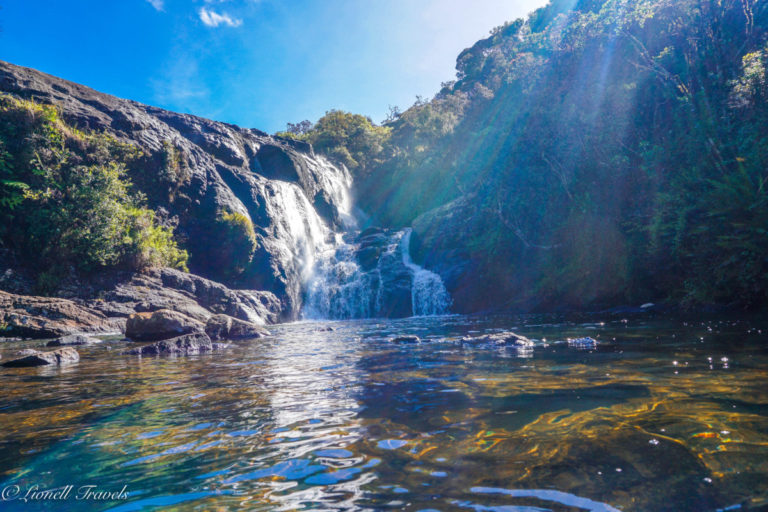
[428,293]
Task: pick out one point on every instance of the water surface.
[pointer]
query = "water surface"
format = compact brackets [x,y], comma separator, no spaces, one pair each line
[658,415]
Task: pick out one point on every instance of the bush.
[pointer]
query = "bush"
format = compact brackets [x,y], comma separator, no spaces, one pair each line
[238,242]
[67,202]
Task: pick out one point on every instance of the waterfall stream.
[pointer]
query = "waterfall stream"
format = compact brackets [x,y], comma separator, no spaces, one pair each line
[428,293]
[342,287]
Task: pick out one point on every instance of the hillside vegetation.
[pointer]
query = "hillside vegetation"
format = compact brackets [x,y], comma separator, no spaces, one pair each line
[596,153]
[67,206]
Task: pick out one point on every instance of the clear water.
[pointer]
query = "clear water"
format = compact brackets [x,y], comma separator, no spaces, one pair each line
[659,415]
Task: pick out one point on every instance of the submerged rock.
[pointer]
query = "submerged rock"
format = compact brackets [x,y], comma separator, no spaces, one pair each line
[406,339]
[501,338]
[223,327]
[583,343]
[73,340]
[160,325]
[66,355]
[189,344]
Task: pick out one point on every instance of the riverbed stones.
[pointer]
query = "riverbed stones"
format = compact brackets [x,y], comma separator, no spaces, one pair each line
[62,356]
[406,339]
[160,325]
[73,340]
[500,338]
[223,327]
[186,345]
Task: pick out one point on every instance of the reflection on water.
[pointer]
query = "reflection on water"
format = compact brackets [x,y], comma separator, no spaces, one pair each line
[647,416]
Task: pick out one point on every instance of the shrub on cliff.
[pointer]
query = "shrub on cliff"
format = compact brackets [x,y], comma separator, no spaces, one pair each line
[67,202]
[237,242]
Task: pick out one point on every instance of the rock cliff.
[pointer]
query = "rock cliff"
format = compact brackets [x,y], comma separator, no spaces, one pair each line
[194,170]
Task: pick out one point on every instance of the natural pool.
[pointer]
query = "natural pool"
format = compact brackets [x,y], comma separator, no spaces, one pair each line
[659,415]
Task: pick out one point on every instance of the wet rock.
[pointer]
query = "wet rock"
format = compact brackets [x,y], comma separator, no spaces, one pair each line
[160,325]
[372,242]
[501,338]
[73,340]
[62,356]
[47,317]
[191,295]
[189,344]
[406,339]
[395,298]
[583,343]
[223,327]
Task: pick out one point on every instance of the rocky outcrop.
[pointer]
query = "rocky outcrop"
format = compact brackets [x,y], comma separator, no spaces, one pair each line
[443,242]
[45,317]
[160,325]
[291,195]
[191,295]
[73,340]
[62,356]
[223,327]
[121,296]
[189,344]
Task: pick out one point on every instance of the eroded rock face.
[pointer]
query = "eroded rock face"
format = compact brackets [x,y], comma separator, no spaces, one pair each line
[160,325]
[191,295]
[280,185]
[62,356]
[223,327]
[46,317]
[441,243]
[189,344]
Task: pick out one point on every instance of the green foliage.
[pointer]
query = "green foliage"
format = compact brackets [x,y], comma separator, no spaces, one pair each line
[620,146]
[350,139]
[67,201]
[237,242]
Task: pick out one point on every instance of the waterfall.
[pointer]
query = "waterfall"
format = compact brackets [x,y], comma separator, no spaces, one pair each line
[338,288]
[428,294]
[341,288]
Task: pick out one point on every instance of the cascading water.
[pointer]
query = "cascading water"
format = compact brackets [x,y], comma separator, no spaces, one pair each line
[428,293]
[344,287]
[343,275]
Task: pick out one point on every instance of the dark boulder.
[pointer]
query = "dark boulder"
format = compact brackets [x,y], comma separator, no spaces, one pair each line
[189,344]
[223,327]
[395,299]
[406,339]
[160,325]
[62,356]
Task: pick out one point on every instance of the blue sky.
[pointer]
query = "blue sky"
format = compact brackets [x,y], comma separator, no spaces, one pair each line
[255,63]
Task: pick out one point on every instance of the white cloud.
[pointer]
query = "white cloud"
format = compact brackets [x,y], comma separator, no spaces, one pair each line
[214,19]
[157,4]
